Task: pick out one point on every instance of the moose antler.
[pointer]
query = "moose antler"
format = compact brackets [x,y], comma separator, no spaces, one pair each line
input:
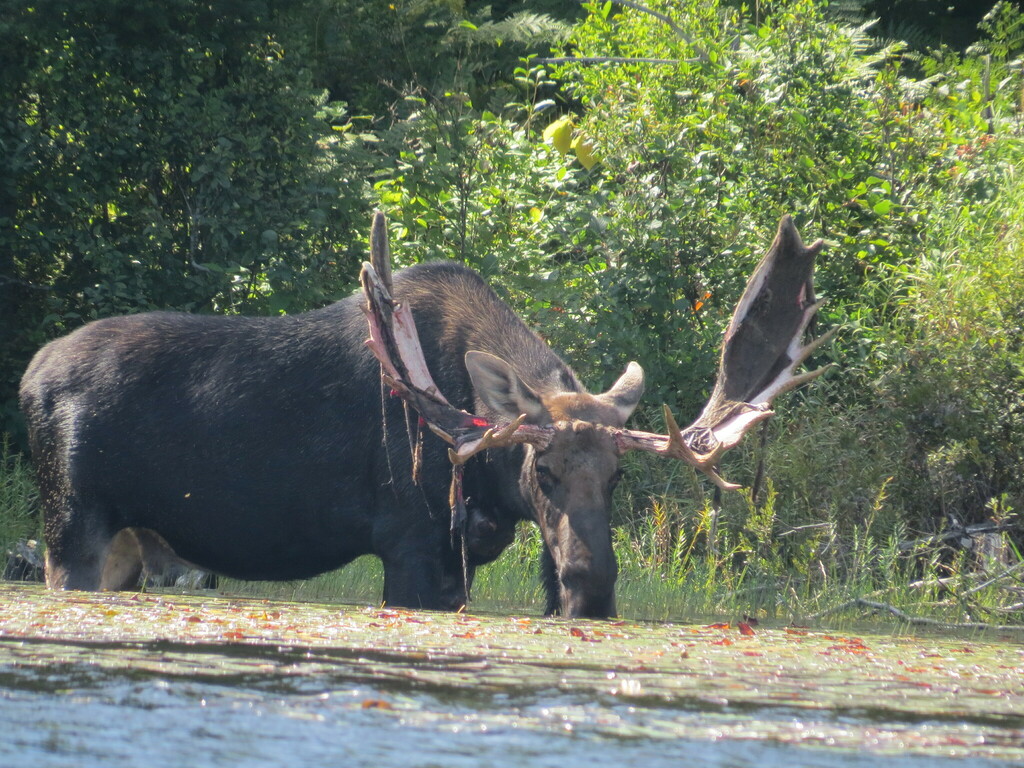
[395,343]
[760,354]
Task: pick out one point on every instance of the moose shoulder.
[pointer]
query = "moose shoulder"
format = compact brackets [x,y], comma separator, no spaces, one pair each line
[257,448]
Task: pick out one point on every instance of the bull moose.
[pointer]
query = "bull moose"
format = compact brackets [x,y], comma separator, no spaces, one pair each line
[269,448]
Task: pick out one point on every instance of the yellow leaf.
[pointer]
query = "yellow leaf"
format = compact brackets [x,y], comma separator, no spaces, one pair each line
[559,134]
[585,152]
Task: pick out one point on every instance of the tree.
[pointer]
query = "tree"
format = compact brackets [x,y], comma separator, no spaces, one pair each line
[162,154]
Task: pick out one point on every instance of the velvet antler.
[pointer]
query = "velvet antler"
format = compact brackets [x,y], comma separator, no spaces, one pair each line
[761,351]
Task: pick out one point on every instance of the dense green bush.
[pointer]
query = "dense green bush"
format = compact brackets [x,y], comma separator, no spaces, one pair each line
[162,155]
[644,253]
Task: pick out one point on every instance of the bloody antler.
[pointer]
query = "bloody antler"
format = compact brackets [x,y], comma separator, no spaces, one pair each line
[395,343]
[761,351]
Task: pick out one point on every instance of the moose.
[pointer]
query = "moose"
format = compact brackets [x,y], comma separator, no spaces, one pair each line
[273,449]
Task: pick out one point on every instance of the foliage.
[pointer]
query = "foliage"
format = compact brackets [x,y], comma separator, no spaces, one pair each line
[927,22]
[369,54]
[956,367]
[643,254]
[162,155]
[18,499]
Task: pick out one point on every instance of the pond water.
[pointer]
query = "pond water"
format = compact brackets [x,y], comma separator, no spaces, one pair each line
[205,681]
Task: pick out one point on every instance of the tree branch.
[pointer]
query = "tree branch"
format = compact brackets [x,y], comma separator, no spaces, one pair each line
[967,531]
[608,60]
[916,620]
[679,31]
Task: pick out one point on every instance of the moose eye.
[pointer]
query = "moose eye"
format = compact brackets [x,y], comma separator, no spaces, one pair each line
[545,479]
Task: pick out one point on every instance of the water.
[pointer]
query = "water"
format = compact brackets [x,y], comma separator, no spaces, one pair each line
[405,694]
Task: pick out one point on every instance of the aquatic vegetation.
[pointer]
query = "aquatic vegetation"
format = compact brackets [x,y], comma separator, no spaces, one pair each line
[645,684]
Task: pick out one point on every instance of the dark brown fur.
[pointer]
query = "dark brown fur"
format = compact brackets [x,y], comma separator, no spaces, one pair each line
[256,448]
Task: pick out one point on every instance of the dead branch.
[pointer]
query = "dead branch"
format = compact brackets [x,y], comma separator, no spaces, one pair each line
[967,531]
[915,620]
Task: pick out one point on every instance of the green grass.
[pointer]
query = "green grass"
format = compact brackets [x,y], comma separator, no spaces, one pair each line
[710,589]
[18,498]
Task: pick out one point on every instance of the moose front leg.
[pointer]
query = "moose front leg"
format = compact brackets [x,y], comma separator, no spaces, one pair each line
[549,577]
[421,570]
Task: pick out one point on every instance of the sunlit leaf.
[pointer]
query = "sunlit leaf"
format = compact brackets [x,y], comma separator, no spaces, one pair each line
[559,134]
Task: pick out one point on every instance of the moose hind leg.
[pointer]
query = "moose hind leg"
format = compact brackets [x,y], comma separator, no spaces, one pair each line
[123,566]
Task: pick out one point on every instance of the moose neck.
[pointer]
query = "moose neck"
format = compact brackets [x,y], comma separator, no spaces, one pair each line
[456,312]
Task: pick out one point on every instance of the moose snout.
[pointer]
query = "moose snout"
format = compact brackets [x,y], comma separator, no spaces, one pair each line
[587,596]
[587,572]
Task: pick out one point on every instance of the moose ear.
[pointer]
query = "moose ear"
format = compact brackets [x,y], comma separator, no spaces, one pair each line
[626,392]
[501,390]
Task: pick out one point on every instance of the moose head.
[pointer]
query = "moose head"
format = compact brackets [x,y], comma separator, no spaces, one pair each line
[572,441]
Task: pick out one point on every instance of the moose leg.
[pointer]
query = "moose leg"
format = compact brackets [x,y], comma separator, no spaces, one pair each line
[162,566]
[140,553]
[123,565]
[421,570]
[549,577]
[412,580]
[424,572]
[76,549]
